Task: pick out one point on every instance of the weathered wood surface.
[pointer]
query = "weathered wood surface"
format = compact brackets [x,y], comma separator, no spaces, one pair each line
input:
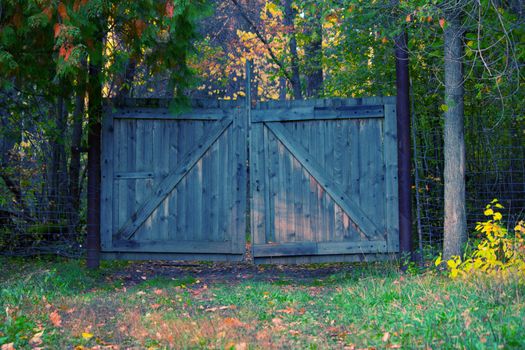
[318,113]
[323,179]
[175,184]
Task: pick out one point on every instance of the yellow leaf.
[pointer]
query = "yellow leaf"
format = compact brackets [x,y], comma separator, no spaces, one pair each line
[497,216]
[451,264]
[444,108]
[87,336]
[438,261]
[488,212]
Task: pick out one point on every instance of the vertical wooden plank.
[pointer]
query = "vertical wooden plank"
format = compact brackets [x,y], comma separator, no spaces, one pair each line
[182,188]
[286,189]
[339,149]
[390,156]
[273,202]
[206,186]
[222,194]
[195,216]
[117,151]
[230,184]
[107,183]
[257,183]
[164,149]
[125,205]
[308,233]
[215,179]
[365,181]
[173,154]
[315,203]
[354,188]
[377,192]
[329,169]
[240,125]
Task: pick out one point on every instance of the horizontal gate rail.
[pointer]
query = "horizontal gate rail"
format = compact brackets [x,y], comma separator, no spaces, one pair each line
[319,248]
[165,113]
[317,113]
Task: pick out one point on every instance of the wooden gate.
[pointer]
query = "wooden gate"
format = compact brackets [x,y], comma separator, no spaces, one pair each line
[174,186]
[324,180]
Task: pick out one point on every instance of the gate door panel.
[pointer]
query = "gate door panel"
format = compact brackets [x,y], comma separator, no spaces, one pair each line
[324,181]
[174,186]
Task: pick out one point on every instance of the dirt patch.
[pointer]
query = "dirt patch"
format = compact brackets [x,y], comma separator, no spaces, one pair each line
[229,273]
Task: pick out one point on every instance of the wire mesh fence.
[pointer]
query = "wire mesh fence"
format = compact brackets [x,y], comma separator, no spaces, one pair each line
[495,169]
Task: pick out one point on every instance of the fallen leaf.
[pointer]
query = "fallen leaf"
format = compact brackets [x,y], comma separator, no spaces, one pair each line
[8,346]
[288,310]
[158,291]
[87,335]
[55,318]
[233,322]
[386,336]
[241,346]
[155,306]
[36,340]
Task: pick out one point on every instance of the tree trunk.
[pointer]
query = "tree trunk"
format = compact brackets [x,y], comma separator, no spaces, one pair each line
[455,225]
[289,15]
[74,164]
[314,54]
[282,88]
[126,82]
[94,91]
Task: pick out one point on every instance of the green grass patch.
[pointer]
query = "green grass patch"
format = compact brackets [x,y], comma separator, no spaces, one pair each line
[369,305]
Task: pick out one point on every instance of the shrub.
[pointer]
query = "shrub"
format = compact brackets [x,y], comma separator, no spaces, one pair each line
[499,252]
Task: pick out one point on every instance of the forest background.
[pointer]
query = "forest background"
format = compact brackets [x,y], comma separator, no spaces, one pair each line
[58,58]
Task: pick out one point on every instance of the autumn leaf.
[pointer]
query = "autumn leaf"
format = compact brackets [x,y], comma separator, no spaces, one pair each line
[8,346]
[442,23]
[385,337]
[169,8]
[62,11]
[55,318]
[57,28]
[233,322]
[36,340]
[48,11]
[87,335]
[140,25]
[288,310]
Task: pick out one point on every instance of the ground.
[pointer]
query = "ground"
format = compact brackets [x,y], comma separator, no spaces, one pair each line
[56,303]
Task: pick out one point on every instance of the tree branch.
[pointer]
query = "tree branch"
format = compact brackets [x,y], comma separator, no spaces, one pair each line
[263,40]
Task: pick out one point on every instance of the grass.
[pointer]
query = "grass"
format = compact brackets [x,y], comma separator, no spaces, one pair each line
[56,303]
